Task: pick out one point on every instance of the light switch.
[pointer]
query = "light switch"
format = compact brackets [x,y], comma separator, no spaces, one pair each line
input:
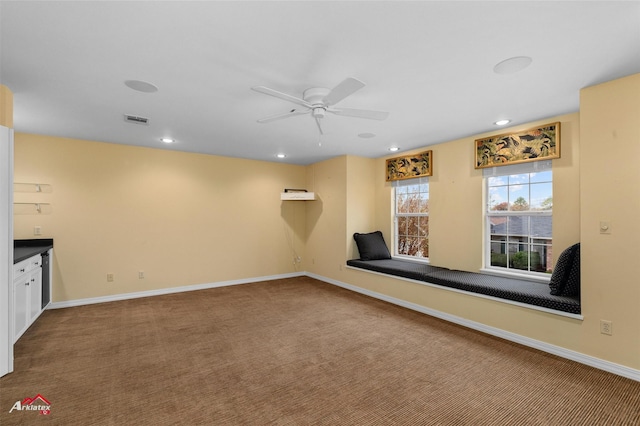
[605,228]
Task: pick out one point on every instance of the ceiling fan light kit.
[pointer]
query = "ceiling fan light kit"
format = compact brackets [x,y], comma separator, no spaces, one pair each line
[317,101]
[318,112]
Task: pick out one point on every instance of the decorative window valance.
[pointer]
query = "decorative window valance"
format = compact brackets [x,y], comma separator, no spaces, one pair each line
[410,166]
[537,143]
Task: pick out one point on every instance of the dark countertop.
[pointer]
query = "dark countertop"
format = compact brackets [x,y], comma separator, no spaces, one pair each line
[24,249]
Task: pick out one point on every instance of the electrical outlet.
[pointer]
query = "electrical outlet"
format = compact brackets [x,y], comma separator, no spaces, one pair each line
[606,327]
[37,230]
[109,278]
[140,275]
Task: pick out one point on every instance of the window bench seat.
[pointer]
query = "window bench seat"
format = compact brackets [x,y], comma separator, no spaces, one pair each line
[518,290]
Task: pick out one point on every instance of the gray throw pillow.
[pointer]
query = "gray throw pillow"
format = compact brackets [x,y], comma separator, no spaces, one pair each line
[371,246]
[572,283]
[567,270]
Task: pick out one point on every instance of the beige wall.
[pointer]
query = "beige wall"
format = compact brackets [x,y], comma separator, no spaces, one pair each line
[455,207]
[327,217]
[610,191]
[6,107]
[360,200]
[346,205]
[181,218]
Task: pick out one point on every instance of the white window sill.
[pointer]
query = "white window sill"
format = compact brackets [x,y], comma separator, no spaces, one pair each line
[424,260]
[539,278]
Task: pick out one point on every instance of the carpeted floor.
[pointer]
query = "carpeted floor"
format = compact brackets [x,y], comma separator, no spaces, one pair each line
[293,352]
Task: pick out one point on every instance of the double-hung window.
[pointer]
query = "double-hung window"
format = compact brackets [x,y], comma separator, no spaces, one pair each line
[411,218]
[518,217]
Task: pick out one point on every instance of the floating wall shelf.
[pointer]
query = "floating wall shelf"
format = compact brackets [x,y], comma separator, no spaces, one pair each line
[298,196]
[31,208]
[32,187]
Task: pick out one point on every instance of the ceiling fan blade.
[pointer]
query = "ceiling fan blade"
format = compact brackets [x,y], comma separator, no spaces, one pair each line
[285,115]
[319,126]
[360,113]
[275,93]
[342,90]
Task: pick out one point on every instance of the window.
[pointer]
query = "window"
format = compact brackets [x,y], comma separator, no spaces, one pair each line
[412,218]
[519,218]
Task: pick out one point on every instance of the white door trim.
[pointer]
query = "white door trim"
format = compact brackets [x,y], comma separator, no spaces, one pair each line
[6,250]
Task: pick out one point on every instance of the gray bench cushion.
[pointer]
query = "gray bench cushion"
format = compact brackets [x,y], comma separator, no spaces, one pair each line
[401,268]
[523,291]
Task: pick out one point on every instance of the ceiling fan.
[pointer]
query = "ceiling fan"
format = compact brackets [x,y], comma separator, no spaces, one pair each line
[317,101]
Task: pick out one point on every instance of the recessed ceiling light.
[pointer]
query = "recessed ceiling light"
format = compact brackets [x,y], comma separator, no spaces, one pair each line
[167,140]
[502,122]
[394,148]
[512,65]
[367,135]
[281,156]
[141,86]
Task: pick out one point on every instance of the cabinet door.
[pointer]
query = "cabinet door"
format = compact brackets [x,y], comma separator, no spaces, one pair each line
[20,295]
[35,294]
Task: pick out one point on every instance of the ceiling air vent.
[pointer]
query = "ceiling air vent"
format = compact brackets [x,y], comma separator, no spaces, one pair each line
[136,119]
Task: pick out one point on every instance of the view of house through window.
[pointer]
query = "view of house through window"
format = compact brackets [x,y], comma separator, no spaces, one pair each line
[518,218]
[412,218]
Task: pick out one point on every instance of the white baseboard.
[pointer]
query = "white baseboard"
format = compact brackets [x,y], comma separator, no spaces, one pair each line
[158,292]
[591,361]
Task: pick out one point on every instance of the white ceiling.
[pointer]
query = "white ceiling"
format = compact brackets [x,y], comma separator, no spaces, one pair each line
[430,64]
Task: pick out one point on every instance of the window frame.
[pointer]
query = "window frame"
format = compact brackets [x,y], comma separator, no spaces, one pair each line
[506,171]
[396,216]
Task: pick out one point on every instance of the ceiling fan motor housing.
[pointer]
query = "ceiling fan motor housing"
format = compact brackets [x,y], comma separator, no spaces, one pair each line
[315,95]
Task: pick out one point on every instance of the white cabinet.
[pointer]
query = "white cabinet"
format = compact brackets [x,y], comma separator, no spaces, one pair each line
[35,294]
[27,294]
[20,297]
